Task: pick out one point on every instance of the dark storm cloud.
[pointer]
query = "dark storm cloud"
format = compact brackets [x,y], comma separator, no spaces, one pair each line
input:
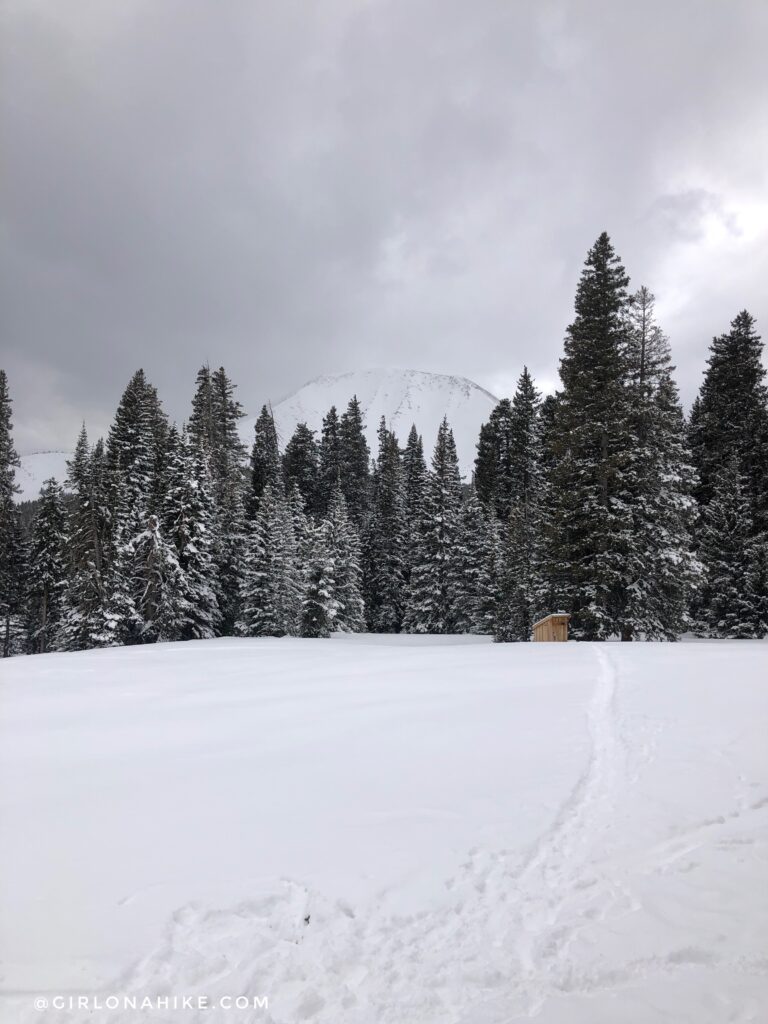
[292,188]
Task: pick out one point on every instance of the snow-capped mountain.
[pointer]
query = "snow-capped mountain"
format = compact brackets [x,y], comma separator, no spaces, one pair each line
[38,467]
[403,397]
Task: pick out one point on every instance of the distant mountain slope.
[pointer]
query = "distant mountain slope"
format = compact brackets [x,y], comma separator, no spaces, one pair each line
[36,468]
[402,396]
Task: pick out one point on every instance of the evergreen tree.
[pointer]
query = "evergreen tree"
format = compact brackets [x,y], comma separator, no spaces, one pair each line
[301,464]
[189,520]
[414,488]
[48,569]
[730,418]
[303,533]
[82,623]
[522,585]
[477,564]
[552,508]
[135,452]
[485,473]
[661,571]
[345,577]
[520,582]
[271,585]
[384,540]
[434,590]
[355,460]
[157,585]
[213,429]
[731,604]
[14,582]
[494,470]
[12,553]
[203,421]
[330,462]
[594,446]
[318,608]
[266,469]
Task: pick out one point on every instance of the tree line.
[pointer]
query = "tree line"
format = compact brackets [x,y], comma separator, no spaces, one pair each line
[601,500]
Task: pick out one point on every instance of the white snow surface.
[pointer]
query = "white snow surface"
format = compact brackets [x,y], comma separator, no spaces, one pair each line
[413,830]
[36,468]
[403,397]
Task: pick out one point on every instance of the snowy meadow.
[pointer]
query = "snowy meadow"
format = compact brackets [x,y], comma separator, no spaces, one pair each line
[431,830]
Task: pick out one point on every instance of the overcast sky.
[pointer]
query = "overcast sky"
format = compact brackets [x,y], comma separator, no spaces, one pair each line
[295,187]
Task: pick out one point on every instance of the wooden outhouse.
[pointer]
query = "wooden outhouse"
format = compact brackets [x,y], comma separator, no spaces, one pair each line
[552,627]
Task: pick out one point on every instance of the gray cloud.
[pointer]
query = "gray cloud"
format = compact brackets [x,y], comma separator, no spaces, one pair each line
[291,188]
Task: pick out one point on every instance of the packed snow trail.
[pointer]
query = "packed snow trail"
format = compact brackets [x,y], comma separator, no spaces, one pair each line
[599,918]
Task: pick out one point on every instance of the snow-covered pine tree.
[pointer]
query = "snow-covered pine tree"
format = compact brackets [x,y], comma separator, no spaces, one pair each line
[271,583]
[384,538]
[520,584]
[157,585]
[494,479]
[729,421]
[203,422]
[552,576]
[301,464]
[730,606]
[118,622]
[478,567]
[213,430]
[297,506]
[434,588]
[355,458]
[135,452]
[329,462]
[266,467]
[12,548]
[414,486]
[342,544]
[484,475]
[82,623]
[14,595]
[520,510]
[318,608]
[189,522]
[48,569]
[594,447]
[661,570]
[730,417]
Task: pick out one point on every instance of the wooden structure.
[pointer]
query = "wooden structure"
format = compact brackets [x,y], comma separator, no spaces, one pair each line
[552,627]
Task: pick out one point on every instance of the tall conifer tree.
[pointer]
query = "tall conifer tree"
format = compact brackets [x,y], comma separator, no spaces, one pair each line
[434,590]
[594,447]
[12,548]
[384,539]
[301,463]
[48,569]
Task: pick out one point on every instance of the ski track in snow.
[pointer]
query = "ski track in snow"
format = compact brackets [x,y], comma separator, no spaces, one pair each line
[495,953]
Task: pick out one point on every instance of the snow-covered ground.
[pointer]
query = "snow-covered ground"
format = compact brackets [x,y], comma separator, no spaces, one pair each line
[403,830]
